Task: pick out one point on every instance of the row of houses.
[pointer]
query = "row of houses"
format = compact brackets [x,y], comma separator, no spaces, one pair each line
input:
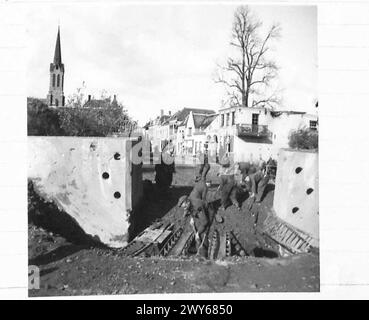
[247,134]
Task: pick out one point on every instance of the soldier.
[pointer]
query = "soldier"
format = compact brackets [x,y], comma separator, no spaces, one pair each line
[228,185]
[168,155]
[199,190]
[204,164]
[261,163]
[271,167]
[163,174]
[246,168]
[257,182]
[200,221]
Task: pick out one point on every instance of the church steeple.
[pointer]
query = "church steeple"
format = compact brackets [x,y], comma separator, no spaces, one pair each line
[57,54]
[55,97]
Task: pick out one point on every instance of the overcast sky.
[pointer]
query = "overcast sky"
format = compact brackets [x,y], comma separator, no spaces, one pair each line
[164,56]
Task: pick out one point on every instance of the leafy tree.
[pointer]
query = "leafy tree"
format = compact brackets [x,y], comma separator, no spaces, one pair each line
[98,118]
[102,119]
[95,117]
[42,120]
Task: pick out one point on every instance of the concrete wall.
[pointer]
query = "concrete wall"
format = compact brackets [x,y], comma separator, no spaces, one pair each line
[249,151]
[91,179]
[296,196]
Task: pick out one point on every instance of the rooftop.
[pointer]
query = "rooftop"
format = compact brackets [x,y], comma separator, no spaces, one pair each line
[181,115]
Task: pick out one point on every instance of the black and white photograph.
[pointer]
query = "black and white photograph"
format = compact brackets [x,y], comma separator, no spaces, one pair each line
[172,149]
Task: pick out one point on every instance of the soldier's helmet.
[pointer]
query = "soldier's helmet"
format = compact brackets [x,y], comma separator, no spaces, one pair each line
[182,200]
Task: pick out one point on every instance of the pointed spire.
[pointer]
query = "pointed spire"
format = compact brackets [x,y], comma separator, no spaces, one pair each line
[57,55]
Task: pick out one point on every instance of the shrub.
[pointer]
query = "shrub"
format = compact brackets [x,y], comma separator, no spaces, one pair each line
[304,139]
[103,118]
[94,121]
[42,120]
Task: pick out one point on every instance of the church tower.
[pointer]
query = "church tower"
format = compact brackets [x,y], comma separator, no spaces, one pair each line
[55,98]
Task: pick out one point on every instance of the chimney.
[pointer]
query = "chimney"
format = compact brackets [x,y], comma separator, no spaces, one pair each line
[89,97]
[161,112]
[115,97]
[170,113]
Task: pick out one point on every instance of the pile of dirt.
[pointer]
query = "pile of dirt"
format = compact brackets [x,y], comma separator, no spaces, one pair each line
[100,271]
[70,266]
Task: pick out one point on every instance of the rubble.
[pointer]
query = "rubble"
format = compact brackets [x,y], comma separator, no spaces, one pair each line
[238,234]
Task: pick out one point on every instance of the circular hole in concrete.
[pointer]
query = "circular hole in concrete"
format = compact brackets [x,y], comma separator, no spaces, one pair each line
[309,190]
[105,175]
[298,170]
[295,209]
[116,195]
[117,156]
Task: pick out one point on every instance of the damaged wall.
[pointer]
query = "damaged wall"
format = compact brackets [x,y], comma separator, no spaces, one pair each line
[91,179]
[296,196]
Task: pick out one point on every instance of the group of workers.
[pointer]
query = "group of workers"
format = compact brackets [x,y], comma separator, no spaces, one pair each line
[246,176]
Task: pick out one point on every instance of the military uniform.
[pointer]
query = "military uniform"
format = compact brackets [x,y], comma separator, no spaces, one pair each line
[246,168]
[228,185]
[163,174]
[204,166]
[199,191]
[257,183]
[200,221]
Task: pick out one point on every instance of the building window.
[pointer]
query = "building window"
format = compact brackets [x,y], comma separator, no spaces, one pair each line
[255,118]
[56,102]
[313,125]
[51,99]
[255,122]
[190,131]
[58,81]
[233,118]
[227,121]
[222,120]
[53,80]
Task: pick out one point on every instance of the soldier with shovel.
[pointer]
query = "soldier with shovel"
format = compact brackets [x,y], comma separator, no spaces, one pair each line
[200,221]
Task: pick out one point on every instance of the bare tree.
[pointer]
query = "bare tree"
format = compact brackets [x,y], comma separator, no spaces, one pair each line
[249,73]
[77,98]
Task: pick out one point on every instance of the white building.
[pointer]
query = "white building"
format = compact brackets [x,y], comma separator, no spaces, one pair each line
[247,134]
[250,134]
[185,129]
[191,134]
[158,131]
